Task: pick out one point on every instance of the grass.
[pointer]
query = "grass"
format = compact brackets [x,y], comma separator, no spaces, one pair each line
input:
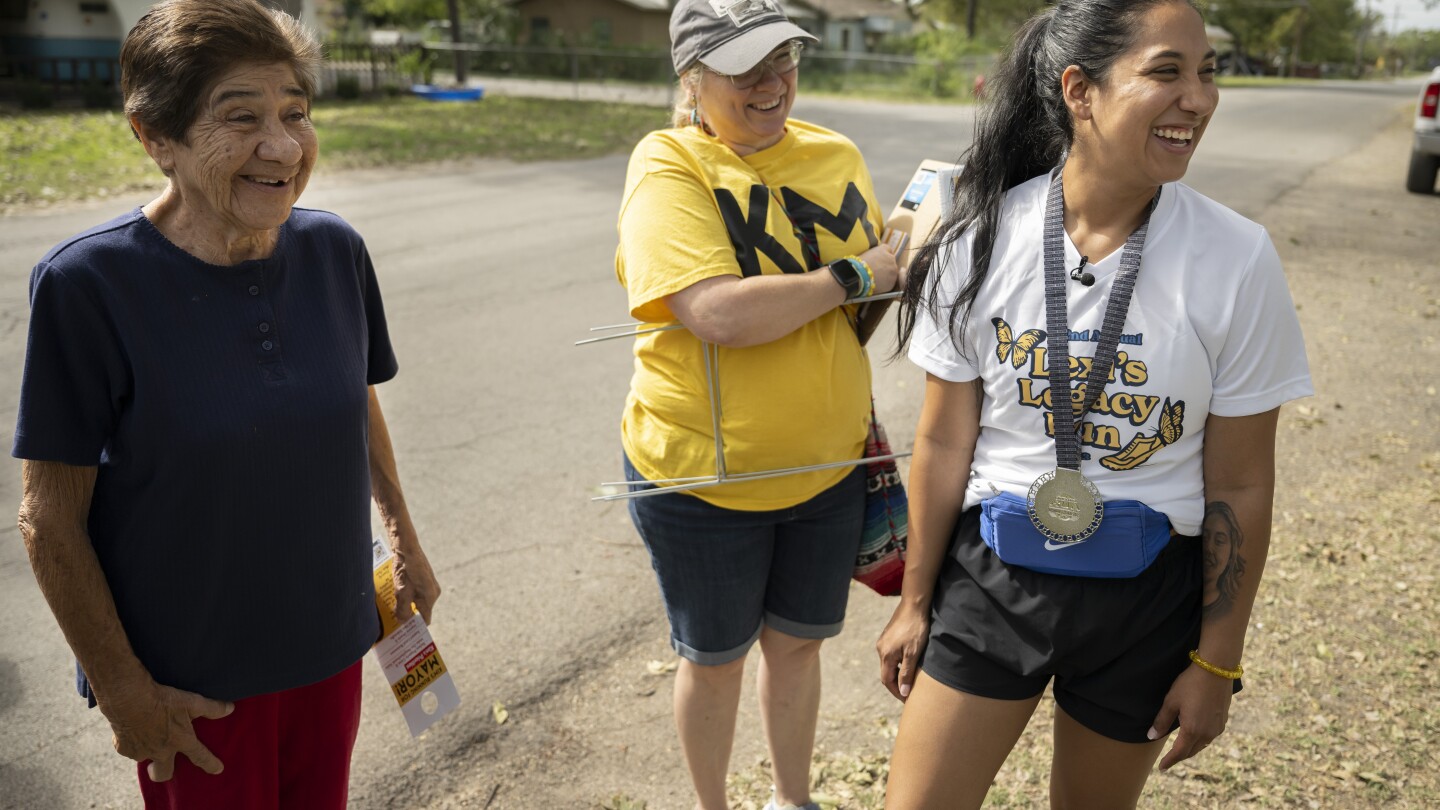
[60,156]
[1286,81]
[56,156]
[898,91]
[1260,81]
[411,130]
[65,156]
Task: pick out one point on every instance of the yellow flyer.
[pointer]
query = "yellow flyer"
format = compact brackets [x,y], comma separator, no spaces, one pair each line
[407,654]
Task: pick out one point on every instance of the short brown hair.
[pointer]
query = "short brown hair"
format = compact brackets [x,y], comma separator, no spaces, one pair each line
[180,48]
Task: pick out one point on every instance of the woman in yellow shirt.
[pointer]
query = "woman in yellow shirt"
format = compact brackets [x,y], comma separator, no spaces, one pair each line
[751,230]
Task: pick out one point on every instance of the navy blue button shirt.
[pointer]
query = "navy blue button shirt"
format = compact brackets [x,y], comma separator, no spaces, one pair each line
[227,411]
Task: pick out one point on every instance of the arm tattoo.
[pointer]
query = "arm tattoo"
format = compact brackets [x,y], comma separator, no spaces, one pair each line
[1223,564]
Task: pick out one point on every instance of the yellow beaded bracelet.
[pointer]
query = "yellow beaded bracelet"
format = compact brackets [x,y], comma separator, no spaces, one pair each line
[1228,674]
[869,276]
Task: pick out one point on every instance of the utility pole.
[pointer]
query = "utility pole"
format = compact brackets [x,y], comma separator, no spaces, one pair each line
[1360,43]
[1295,46]
[460,72]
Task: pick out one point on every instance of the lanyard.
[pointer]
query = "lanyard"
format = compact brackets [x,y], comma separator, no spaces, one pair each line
[1065,415]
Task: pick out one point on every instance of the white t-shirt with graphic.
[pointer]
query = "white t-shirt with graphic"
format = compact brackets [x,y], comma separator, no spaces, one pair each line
[1211,329]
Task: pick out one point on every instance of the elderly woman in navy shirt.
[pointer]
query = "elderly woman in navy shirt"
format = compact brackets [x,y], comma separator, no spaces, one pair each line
[201,434]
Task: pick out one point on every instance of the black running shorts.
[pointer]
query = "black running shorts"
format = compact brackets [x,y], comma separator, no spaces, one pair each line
[1113,646]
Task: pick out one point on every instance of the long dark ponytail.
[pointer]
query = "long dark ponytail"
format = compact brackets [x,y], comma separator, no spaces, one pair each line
[1022,131]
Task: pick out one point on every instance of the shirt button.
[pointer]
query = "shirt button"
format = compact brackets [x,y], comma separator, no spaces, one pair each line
[254,290]
[267,345]
[264,327]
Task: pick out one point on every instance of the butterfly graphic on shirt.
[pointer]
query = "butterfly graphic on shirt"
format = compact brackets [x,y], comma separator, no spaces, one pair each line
[1142,447]
[1016,349]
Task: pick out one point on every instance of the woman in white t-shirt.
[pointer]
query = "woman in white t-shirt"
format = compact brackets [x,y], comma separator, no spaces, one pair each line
[1168,326]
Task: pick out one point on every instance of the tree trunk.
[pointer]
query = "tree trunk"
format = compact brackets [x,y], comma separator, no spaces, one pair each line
[460,72]
[1295,49]
[970,10]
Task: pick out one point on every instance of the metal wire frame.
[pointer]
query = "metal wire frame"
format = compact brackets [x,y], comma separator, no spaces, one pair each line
[712,379]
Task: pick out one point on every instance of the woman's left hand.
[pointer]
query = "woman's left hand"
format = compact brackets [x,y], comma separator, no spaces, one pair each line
[1201,701]
[415,582]
[414,578]
[882,264]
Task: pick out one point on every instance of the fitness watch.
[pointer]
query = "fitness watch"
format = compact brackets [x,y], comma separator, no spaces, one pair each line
[847,275]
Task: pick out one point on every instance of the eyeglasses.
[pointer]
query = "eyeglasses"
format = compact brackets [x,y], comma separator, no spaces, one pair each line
[783,61]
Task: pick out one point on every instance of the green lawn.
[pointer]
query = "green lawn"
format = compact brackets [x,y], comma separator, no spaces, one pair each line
[409,130]
[57,156]
[51,156]
[1261,81]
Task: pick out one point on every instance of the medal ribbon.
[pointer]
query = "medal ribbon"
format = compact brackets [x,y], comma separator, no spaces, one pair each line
[1067,421]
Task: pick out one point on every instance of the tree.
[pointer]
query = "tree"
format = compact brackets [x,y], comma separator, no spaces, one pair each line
[1371,25]
[996,17]
[484,20]
[1295,30]
[1418,50]
[453,8]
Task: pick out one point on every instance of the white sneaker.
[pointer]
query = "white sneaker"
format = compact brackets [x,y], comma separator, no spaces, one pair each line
[773,806]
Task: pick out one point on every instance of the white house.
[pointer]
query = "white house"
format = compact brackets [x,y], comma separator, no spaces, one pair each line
[88,32]
[850,26]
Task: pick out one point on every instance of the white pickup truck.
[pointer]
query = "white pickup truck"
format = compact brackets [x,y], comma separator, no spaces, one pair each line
[1425,154]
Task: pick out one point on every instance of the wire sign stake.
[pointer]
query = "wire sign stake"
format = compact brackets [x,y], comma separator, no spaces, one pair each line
[712,378]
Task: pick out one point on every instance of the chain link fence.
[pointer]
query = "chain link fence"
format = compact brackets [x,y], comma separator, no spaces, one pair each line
[392,68]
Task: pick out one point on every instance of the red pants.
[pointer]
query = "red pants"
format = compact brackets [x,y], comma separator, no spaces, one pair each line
[287,749]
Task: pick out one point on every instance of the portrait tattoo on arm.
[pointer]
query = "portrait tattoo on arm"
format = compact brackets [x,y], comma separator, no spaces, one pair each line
[1223,564]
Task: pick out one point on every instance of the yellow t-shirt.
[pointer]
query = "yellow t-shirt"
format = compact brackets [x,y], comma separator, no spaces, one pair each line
[693,209]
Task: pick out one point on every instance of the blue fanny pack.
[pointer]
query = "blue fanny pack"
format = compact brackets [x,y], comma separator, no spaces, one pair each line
[1130,537]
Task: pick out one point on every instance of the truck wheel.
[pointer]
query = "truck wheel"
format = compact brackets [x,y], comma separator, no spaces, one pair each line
[1423,169]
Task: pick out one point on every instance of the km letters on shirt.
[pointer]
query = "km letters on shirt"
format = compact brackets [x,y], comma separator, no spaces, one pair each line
[693,209]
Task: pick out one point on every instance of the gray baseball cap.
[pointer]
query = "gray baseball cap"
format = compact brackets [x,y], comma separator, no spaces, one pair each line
[730,36]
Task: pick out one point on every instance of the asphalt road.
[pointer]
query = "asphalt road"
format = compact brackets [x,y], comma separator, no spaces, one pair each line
[503,428]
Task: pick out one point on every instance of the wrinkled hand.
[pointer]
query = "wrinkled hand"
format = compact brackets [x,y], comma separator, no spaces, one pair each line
[881,261]
[900,645]
[153,722]
[1202,703]
[415,582]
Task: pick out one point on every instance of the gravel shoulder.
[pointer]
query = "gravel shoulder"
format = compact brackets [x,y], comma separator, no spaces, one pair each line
[1343,663]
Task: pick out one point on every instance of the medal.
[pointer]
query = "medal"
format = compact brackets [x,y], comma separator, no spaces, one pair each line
[1064,506]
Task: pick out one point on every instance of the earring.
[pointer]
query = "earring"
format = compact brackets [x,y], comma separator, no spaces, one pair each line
[695,117]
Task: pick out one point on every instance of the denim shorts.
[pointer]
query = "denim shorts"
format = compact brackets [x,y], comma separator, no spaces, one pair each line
[726,573]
